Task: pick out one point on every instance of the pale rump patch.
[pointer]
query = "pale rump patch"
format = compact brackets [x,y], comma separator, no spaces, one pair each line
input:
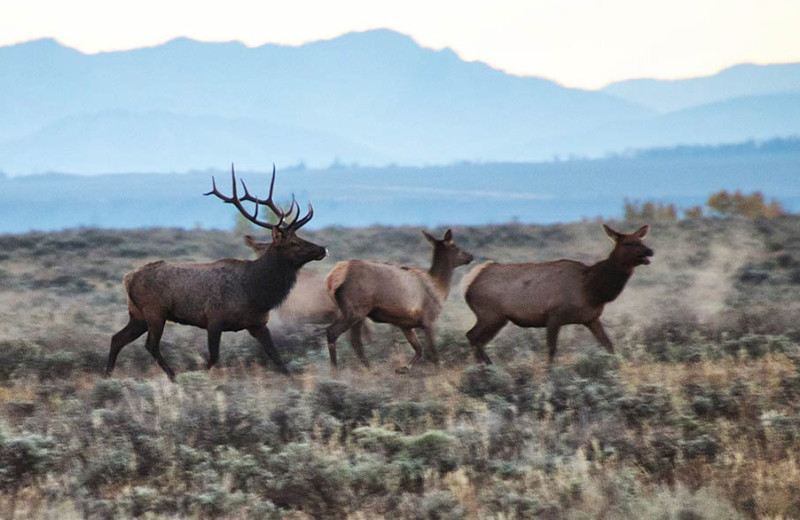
[472,275]
[336,278]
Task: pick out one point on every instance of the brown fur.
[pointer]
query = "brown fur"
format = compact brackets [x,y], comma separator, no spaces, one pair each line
[551,294]
[406,297]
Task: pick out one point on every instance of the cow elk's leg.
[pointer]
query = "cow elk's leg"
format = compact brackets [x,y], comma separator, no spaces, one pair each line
[155,329]
[600,335]
[214,336]
[482,333]
[128,334]
[265,339]
[552,339]
[336,329]
[413,339]
[355,341]
[431,353]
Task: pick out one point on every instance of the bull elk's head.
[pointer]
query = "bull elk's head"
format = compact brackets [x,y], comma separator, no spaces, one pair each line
[629,250]
[285,243]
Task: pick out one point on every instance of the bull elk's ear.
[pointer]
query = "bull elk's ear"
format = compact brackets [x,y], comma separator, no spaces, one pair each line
[613,235]
[642,231]
[277,235]
[428,237]
[250,241]
[448,236]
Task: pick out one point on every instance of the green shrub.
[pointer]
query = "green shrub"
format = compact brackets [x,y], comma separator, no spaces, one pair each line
[349,405]
[414,416]
[301,478]
[481,380]
[25,458]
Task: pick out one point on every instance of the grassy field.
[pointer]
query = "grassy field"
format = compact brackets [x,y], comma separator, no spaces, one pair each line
[696,417]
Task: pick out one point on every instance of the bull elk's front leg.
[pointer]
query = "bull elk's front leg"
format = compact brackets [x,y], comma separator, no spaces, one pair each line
[263,336]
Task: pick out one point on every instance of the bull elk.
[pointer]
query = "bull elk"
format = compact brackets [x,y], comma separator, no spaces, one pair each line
[226,295]
[406,297]
[551,294]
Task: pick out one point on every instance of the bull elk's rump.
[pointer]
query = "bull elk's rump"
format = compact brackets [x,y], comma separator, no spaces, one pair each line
[551,294]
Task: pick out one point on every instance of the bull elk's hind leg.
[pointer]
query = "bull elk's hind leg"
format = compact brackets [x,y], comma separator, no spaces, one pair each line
[155,328]
[265,339]
[214,336]
[552,339]
[128,334]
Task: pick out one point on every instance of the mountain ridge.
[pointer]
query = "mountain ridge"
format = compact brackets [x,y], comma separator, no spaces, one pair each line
[372,97]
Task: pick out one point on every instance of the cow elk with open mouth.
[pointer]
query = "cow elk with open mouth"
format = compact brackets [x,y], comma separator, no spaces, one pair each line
[551,294]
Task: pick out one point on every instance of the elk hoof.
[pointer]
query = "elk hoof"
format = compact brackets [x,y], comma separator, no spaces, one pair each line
[402,370]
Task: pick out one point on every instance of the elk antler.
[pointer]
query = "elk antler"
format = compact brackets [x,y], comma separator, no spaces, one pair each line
[253,217]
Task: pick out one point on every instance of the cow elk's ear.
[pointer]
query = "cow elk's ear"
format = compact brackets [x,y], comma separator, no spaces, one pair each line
[642,231]
[613,235]
[448,237]
[428,237]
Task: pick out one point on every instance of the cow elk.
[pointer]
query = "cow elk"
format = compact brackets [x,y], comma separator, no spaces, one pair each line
[226,295]
[406,297]
[551,294]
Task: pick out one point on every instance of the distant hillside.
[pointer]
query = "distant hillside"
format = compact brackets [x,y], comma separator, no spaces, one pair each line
[373,98]
[744,80]
[459,194]
[384,98]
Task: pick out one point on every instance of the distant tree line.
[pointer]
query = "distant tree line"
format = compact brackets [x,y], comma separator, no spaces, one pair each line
[722,203]
[777,145]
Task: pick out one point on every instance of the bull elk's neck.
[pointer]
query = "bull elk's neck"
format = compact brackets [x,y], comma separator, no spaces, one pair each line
[605,280]
[441,272]
[269,280]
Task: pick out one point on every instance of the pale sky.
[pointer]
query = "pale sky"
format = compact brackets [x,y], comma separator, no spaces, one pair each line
[578,43]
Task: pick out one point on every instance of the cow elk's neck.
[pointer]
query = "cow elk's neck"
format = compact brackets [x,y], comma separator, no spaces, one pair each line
[441,272]
[606,279]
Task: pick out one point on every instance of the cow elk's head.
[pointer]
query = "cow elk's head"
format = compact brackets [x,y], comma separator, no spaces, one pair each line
[629,250]
[452,255]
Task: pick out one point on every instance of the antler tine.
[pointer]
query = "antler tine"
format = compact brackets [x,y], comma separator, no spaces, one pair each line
[236,201]
[300,222]
[268,201]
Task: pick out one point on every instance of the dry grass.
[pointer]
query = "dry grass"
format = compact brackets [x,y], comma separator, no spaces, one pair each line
[697,417]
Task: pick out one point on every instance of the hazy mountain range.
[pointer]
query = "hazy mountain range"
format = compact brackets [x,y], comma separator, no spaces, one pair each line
[372,98]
